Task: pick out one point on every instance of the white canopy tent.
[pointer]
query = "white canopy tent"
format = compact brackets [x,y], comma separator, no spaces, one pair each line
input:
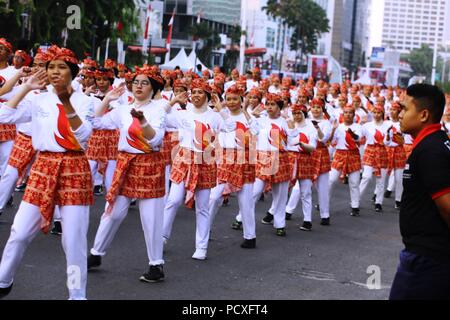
[191,58]
[181,60]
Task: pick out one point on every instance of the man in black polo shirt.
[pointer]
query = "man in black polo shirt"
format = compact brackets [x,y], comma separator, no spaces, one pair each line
[424,269]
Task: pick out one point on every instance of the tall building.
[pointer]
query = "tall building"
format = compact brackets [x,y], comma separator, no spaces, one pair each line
[407,24]
[225,11]
[348,38]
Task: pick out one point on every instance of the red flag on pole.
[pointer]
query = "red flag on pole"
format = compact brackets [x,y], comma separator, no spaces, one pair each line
[169,35]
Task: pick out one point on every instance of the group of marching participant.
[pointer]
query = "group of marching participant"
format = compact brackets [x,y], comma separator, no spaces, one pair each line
[165,138]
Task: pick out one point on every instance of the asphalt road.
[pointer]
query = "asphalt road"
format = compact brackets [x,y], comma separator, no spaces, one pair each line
[330,262]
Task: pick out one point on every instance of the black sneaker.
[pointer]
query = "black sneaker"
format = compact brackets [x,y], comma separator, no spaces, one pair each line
[397,205]
[98,190]
[133,202]
[154,274]
[5,291]
[317,207]
[225,202]
[307,226]
[249,244]
[288,216]
[10,201]
[355,212]
[268,219]
[21,187]
[346,180]
[236,225]
[378,207]
[57,228]
[325,222]
[281,232]
[94,261]
[387,194]
[262,197]
[374,198]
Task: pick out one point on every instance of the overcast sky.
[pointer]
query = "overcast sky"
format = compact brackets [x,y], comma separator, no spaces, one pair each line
[376,23]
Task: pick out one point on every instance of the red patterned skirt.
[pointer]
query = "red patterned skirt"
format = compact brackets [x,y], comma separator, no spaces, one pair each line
[322,160]
[396,158]
[235,168]
[273,167]
[376,156]
[194,169]
[22,153]
[59,178]
[102,146]
[306,166]
[7,132]
[170,146]
[140,176]
[408,149]
[346,161]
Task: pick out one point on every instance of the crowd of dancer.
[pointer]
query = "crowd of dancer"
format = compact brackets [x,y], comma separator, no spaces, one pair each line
[70,129]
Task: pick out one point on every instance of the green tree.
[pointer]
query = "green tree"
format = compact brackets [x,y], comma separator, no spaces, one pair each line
[232,56]
[48,19]
[307,19]
[210,37]
[421,61]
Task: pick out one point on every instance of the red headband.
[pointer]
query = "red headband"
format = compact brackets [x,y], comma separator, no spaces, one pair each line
[149,71]
[201,84]
[110,63]
[234,89]
[318,102]
[299,107]
[90,63]
[6,44]
[25,57]
[256,92]
[273,97]
[104,73]
[63,54]
[180,83]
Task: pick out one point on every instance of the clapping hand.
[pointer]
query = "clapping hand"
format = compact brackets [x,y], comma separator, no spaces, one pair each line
[37,81]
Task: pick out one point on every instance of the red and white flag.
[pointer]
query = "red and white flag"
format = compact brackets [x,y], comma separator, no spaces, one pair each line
[169,37]
[146,31]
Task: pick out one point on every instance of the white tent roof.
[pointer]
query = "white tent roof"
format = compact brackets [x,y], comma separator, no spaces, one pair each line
[180,60]
[191,58]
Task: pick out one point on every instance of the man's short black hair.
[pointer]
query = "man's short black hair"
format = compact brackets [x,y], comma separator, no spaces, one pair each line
[428,97]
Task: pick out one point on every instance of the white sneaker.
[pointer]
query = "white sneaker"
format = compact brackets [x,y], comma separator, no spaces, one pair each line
[199,254]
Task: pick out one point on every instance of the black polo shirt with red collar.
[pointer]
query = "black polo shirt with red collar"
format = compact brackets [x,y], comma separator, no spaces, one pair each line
[426,177]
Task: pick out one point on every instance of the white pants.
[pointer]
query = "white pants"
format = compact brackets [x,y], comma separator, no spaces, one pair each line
[7,183]
[246,206]
[174,201]
[303,193]
[151,212]
[353,182]
[109,173]
[27,223]
[395,181]
[379,183]
[323,194]
[279,199]
[5,151]
[167,182]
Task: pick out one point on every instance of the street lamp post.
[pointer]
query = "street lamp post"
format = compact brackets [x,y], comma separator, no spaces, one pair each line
[24,16]
[94,28]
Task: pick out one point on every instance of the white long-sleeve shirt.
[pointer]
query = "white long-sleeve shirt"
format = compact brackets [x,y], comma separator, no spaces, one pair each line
[326,128]
[196,130]
[306,134]
[274,134]
[50,128]
[395,130]
[239,137]
[343,139]
[375,134]
[132,139]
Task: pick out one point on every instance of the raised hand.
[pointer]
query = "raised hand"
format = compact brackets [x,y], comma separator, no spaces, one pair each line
[216,102]
[24,72]
[181,98]
[137,114]
[115,93]
[38,80]
[90,89]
